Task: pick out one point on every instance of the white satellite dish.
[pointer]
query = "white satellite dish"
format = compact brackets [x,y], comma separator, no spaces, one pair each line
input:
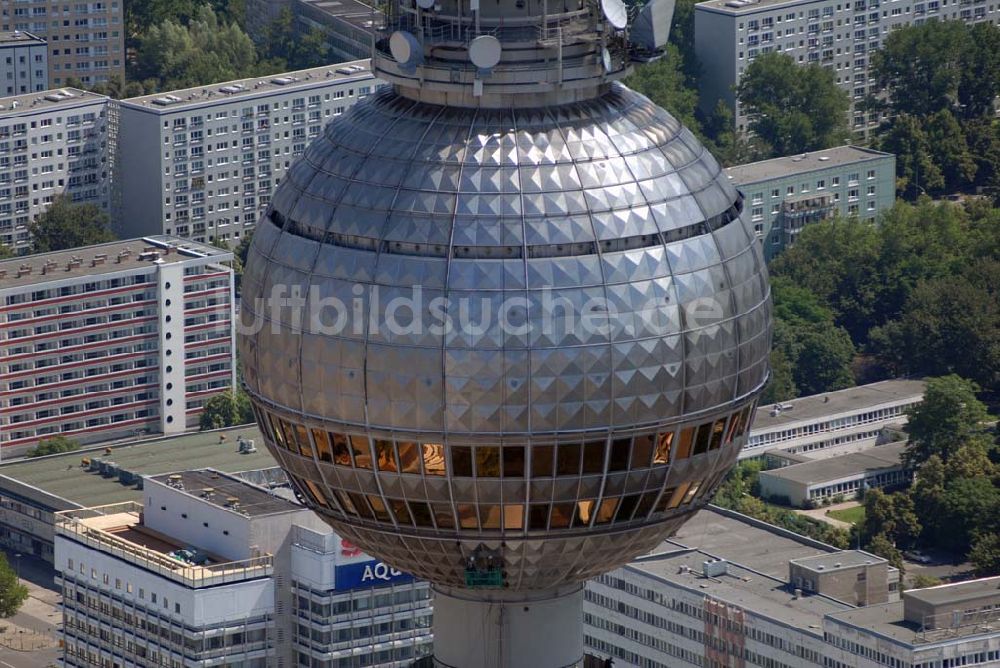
[484,52]
[405,48]
[615,12]
[425,4]
[606,59]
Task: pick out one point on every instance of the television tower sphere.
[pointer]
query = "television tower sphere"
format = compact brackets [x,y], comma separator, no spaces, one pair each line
[505,321]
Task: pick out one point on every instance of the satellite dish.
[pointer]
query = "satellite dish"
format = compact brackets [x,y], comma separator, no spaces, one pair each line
[484,52]
[606,59]
[615,12]
[406,49]
[425,4]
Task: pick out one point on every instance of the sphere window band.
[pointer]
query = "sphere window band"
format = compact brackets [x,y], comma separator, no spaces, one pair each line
[512,462]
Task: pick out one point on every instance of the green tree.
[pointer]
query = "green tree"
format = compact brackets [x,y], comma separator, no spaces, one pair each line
[879,515]
[781,386]
[5,252]
[948,325]
[67,225]
[985,554]
[205,51]
[916,170]
[970,508]
[240,255]
[53,446]
[880,545]
[980,71]
[793,108]
[927,493]
[663,82]
[923,581]
[227,409]
[951,151]
[907,526]
[949,416]
[13,593]
[919,67]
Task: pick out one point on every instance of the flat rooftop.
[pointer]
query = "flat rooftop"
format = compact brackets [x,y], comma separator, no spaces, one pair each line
[887,620]
[958,592]
[853,399]
[835,468]
[746,6]
[46,100]
[19,37]
[358,14]
[63,476]
[227,492]
[825,563]
[758,594]
[756,547]
[170,101]
[100,259]
[791,165]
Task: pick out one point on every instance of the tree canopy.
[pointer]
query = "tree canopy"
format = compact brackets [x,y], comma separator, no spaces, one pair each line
[13,593]
[941,79]
[5,252]
[53,446]
[68,225]
[793,108]
[227,409]
[949,416]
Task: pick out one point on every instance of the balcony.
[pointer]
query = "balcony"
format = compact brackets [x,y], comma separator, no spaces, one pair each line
[118,530]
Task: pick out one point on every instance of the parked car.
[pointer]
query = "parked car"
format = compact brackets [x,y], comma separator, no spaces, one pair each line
[918,557]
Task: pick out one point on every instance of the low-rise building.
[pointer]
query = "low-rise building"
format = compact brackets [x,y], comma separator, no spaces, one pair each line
[32,490]
[202,163]
[211,570]
[51,143]
[714,595]
[23,63]
[787,194]
[350,26]
[853,576]
[107,341]
[847,476]
[949,625]
[833,423]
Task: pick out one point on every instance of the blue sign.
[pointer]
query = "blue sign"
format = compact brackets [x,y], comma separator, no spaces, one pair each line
[367,574]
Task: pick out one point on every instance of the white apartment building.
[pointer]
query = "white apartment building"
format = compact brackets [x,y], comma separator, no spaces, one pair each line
[756,596]
[833,423]
[86,40]
[213,571]
[202,163]
[837,34]
[23,63]
[52,142]
[113,340]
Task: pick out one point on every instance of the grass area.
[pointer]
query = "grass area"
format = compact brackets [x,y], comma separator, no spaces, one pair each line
[849,515]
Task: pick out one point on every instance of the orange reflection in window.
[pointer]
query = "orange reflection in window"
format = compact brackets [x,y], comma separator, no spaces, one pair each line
[664,442]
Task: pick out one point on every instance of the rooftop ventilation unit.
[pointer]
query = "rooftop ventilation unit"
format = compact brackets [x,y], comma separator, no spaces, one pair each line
[166,100]
[284,81]
[59,96]
[230,90]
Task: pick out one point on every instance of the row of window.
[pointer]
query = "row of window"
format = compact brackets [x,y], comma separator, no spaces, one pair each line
[507,461]
[508,517]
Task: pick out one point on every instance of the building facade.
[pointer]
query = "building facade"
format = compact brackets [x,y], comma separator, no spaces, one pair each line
[210,570]
[51,143]
[836,34]
[86,39]
[833,423]
[107,341]
[728,606]
[810,482]
[24,64]
[202,163]
[786,194]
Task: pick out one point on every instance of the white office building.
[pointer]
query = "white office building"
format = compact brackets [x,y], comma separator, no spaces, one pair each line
[732,591]
[52,142]
[113,340]
[212,571]
[23,63]
[833,423]
[837,34]
[201,163]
